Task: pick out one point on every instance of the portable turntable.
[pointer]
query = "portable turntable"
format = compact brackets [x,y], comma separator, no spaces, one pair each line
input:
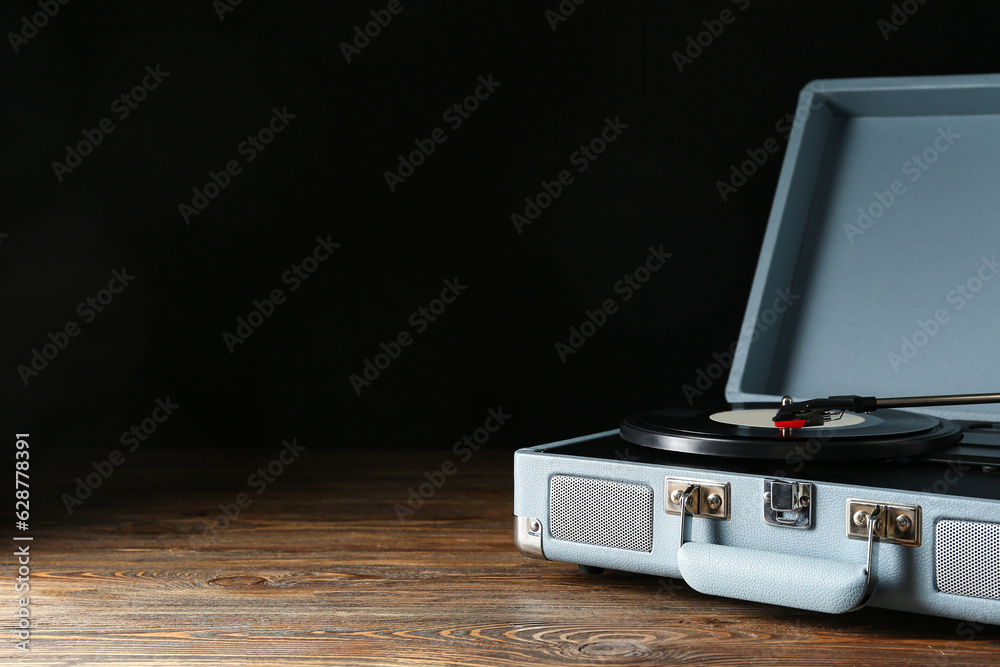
[886,227]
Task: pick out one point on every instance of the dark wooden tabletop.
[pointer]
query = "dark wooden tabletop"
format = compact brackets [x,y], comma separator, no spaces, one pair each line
[325,566]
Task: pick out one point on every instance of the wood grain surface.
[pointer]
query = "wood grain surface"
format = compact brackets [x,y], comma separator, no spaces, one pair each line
[318,569]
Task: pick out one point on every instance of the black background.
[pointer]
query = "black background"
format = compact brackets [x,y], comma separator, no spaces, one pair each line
[323,176]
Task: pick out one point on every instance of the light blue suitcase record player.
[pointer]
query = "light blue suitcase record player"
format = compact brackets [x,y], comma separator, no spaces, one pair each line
[884,239]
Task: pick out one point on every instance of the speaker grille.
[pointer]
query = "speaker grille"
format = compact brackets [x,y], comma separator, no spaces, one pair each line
[967,558]
[601,512]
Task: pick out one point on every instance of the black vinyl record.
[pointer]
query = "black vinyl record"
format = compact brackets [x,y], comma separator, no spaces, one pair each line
[885,435]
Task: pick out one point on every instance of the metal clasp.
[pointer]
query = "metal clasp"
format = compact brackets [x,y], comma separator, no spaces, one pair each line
[697,497]
[897,523]
[709,500]
[871,581]
[788,504]
[881,522]
[683,499]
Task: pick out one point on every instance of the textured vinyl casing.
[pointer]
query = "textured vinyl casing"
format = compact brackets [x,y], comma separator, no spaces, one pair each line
[907,578]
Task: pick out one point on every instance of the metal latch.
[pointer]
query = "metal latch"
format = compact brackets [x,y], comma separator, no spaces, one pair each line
[895,523]
[708,500]
[788,504]
[697,497]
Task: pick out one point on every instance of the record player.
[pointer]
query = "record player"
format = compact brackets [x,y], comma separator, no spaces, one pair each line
[800,493]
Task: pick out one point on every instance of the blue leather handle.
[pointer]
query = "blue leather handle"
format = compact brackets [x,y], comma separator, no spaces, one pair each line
[816,584]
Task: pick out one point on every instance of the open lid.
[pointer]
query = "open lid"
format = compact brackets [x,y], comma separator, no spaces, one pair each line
[879,269]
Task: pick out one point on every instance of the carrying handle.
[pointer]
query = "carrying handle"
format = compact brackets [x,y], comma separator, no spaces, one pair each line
[803,582]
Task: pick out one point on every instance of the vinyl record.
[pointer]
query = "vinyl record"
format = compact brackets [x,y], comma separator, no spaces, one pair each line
[884,435]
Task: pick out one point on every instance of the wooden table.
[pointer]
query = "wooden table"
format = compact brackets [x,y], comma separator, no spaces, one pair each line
[320,569]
